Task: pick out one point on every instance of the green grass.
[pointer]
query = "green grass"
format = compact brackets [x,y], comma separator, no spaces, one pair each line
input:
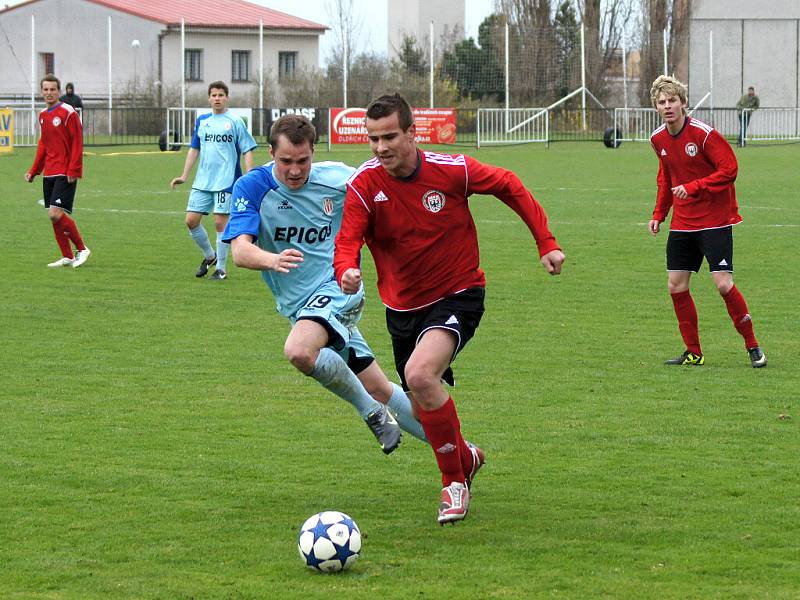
[155,444]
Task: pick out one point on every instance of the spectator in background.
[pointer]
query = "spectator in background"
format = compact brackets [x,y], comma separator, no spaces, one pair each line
[750,102]
[71,97]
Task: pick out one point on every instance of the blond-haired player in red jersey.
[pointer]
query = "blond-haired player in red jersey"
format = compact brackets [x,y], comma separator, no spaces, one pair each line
[411,208]
[59,156]
[696,171]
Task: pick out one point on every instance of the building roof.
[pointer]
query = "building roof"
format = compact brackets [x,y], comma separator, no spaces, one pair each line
[204,13]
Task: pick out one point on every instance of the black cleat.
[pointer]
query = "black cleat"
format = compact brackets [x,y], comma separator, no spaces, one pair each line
[385,428]
[687,358]
[757,358]
[203,268]
[219,274]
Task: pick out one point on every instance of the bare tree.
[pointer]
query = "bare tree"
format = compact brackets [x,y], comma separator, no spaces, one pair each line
[346,25]
[659,16]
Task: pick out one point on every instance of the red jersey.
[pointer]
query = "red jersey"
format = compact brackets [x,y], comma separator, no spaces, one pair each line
[420,230]
[701,160]
[60,149]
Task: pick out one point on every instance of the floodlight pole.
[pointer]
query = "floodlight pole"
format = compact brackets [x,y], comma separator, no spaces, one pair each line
[508,99]
[344,69]
[430,102]
[33,118]
[624,73]
[583,76]
[261,75]
[110,84]
[183,78]
[711,73]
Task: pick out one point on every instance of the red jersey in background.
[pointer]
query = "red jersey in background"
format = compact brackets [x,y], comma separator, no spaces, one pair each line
[60,149]
[420,230]
[701,160]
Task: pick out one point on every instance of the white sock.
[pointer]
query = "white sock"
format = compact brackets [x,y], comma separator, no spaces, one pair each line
[334,375]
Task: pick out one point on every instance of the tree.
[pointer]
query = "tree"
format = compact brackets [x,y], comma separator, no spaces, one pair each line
[568,47]
[411,58]
[476,71]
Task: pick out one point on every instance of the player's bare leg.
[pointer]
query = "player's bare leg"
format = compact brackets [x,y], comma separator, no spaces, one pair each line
[439,418]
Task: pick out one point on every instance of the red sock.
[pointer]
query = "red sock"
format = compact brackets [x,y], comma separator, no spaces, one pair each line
[444,434]
[737,309]
[71,229]
[62,239]
[687,320]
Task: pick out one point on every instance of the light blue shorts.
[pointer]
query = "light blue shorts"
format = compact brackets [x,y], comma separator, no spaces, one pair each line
[204,202]
[339,313]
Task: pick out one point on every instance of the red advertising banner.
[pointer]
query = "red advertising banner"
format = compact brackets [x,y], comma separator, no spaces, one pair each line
[434,125]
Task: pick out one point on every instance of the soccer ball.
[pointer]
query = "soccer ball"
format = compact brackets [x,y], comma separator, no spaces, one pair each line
[329,541]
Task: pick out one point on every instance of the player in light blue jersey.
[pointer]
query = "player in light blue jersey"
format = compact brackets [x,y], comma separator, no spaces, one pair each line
[284,219]
[219,140]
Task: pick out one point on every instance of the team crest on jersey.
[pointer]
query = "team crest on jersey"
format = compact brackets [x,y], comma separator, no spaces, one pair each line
[691,149]
[433,200]
[227,126]
[327,206]
[56,122]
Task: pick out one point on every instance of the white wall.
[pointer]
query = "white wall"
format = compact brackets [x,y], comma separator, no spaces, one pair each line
[755,44]
[413,18]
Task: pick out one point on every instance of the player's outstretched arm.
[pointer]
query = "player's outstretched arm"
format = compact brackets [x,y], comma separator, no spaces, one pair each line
[552,261]
[249,256]
[191,158]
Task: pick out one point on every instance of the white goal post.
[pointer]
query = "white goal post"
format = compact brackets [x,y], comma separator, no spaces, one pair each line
[513,126]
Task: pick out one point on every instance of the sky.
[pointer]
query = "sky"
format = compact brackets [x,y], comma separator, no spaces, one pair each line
[372,15]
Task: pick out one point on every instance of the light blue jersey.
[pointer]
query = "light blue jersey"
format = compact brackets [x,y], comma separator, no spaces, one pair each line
[307,219]
[221,139]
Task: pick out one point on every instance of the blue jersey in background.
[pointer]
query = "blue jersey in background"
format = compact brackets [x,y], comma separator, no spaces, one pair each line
[221,139]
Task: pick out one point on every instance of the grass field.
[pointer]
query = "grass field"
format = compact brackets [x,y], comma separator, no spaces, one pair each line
[155,444]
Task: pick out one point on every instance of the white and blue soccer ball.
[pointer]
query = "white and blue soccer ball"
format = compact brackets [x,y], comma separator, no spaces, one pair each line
[329,541]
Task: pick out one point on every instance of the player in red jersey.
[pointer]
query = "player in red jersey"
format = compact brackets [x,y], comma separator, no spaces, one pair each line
[60,155]
[696,171]
[411,209]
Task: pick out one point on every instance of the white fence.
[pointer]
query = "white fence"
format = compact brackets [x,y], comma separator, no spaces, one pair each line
[513,126]
[768,124]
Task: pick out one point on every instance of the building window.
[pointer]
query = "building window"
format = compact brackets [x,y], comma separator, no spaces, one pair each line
[193,65]
[240,65]
[287,63]
[47,63]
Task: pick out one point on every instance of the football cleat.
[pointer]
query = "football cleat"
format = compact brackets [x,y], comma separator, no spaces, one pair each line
[687,358]
[61,262]
[454,503]
[81,256]
[757,358]
[219,274]
[385,428]
[478,460]
[203,268]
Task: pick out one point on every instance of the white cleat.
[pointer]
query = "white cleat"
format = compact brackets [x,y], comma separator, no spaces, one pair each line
[81,256]
[61,262]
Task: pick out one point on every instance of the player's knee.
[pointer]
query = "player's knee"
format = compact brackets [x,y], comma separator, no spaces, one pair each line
[54,218]
[724,286]
[301,357]
[420,379]
[676,287]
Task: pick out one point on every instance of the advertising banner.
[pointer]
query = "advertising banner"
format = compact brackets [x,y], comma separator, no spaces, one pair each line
[6,130]
[434,125]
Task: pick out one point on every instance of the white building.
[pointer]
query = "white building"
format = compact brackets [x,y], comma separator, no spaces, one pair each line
[141,41]
[753,44]
[413,18]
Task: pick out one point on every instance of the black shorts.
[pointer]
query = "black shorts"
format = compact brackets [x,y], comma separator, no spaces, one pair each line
[460,314]
[686,249]
[57,192]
